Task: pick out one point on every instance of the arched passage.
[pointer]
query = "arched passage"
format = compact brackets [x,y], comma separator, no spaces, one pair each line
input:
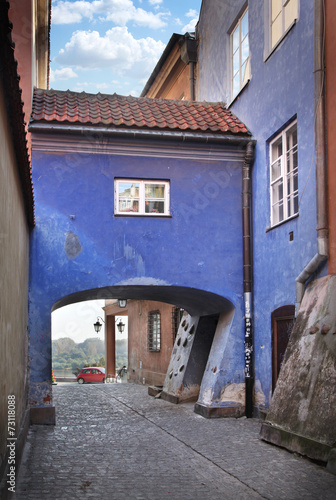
[197,303]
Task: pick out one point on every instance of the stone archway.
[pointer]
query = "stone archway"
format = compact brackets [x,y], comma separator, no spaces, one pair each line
[198,303]
[195,301]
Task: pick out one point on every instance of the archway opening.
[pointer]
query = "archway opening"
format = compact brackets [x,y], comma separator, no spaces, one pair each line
[152,342]
[76,344]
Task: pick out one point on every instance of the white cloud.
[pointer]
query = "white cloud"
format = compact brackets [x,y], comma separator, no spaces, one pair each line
[118,11]
[192,13]
[102,86]
[190,27]
[62,74]
[138,16]
[117,50]
[156,3]
[64,12]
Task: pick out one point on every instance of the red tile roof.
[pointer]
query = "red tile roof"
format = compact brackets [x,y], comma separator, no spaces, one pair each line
[135,112]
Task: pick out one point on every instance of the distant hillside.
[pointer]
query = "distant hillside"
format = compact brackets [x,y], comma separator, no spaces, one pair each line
[93,347]
[63,345]
[66,354]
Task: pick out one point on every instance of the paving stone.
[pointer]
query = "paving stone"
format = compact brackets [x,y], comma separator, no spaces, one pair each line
[114,441]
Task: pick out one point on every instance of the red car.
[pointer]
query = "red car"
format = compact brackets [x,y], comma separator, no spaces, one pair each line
[91,374]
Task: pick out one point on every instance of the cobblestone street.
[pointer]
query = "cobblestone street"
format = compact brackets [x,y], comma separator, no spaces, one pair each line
[113,441]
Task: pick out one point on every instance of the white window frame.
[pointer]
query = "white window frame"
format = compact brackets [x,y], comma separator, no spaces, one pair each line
[243,79]
[142,198]
[284,27]
[284,176]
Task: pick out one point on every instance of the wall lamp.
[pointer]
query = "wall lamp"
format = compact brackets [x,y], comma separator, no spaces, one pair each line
[122,302]
[121,326]
[97,325]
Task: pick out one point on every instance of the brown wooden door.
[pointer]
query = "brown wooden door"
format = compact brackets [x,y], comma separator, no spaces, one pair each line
[282,325]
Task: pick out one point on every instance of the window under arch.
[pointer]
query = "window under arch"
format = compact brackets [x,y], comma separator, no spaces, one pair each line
[154,331]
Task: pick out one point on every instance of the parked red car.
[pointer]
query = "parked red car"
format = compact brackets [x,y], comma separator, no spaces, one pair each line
[91,374]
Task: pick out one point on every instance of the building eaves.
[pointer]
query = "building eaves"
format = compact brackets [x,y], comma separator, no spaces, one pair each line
[173,40]
[14,106]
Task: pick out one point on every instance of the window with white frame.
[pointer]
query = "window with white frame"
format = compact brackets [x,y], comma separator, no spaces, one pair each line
[282,15]
[141,197]
[284,175]
[154,331]
[240,63]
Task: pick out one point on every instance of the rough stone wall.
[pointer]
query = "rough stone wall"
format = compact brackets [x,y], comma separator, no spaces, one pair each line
[307,377]
[14,248]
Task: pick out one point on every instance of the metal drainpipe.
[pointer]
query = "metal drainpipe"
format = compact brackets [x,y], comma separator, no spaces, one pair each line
[247,274]
[320,155]
[189,56]
[192,80]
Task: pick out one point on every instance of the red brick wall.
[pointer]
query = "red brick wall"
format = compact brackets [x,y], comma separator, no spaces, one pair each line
[143,364]
[331,127]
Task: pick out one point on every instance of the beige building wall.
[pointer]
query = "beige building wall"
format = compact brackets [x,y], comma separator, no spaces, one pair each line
[172,80]
[14,257]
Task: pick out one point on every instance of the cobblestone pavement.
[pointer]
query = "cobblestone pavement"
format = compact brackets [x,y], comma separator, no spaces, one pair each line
[113,441]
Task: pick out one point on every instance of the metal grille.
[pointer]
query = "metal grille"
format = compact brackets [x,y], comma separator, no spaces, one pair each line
[177,314]
[154,331]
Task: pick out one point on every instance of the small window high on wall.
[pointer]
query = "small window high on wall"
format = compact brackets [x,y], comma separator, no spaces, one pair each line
[154,331]
[141,197]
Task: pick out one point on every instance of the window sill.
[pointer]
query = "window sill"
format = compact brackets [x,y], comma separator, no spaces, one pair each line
[159,216]
[269,228]
[273,49]
[241,90]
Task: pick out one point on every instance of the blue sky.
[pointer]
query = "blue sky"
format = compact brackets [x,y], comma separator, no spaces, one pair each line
[113,45]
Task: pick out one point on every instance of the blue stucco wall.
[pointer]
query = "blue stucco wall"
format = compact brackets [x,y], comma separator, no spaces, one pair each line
[78,244]
[281,87]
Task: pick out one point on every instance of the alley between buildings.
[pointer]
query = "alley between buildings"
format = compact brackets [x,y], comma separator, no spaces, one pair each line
[114,441]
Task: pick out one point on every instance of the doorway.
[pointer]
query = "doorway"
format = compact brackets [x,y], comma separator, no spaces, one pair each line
[282,325]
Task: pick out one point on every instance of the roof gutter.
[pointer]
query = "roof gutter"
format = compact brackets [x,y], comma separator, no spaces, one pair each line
[139,133]
[320,155]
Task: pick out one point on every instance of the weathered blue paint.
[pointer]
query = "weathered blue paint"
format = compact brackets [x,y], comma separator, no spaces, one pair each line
[78,244]
[281,88]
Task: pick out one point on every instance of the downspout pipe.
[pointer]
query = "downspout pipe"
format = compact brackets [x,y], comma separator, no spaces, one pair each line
[320,155]
[189,56]
[248,278]
[192,80]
